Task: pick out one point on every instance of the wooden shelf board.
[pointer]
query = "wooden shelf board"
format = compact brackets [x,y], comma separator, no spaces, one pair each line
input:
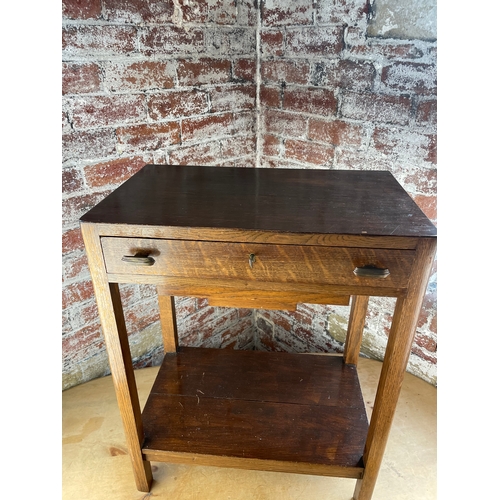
[285,412]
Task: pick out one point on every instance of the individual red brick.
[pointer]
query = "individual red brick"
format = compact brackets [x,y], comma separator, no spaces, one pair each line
[384,49]
[270,97]
[112,172]
[338,132]
[71,180]
[169,40]
[427,112]
[98,111]
[176,104]
[203,71]
[87,145]
[148,137]
[81,9]
[207,126]
[272,43]
[237,146]
[351,75]
[377,108]
[310,100]
[80,339]
[232,98]
[72,240]
[222,12]
[77,292]
[244,69]
[410,77]
[285,71]
[432,155]
[309,152]
[428,205]
[310,42]
[86,41]
[138,11]
[206,153]
[271,145]
[286,13]
[288,124]
[139,75]
[80,78]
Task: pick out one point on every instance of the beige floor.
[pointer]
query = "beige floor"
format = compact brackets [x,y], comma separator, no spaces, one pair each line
[96,465]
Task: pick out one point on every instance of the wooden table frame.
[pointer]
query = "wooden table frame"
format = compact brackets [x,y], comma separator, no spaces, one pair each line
[239,294]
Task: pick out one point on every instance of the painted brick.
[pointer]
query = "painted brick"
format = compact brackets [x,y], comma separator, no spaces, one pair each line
[207,126]
[270,96]
[87,41]
[377,108]
[222,12]
[285,71]
[358,45]
[428,205]
[198,154]
[237,146]
[247,13]
[80,78]
[411,77]
[72,240]
[71,180]
[231,42]
[310,100]
[287,124]
[138,11]
[427,112]
[74,293]
[81,9]
[244,122]
[420,180]
[176,104]
[75,266]
[350,75]
[140,75]
[245,69]
[204,71]
[286,13]
[272,43]
[88,144]
[195,11]
[232,98]
[148,137]
[347,12]
[171,40]
[112,172]
[338,132]
[98,111]
[271,145]
[432,155]
[309,152]
[310,42]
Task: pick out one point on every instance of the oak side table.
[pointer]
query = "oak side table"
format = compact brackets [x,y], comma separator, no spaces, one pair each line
[260,238]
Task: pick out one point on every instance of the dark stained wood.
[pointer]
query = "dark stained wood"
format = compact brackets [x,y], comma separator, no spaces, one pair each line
[283,200]
[297,408]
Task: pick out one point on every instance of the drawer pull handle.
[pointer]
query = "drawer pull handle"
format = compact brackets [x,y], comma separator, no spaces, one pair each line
[139,260]
[251,260]
[371,272]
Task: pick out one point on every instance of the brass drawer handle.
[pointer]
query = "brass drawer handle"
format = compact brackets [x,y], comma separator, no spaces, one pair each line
[371,272]
[251,260]
[139,260]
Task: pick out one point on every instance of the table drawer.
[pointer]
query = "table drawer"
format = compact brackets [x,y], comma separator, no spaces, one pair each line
[256,262]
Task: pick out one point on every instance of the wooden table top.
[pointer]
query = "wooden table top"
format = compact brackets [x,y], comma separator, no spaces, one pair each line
[281,200]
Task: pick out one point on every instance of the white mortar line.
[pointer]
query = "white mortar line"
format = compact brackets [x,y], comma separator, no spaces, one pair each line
[258,125]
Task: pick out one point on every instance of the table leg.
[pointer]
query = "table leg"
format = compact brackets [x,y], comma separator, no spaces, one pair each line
[168,321]
[393,368]
[355,328]
[120,360]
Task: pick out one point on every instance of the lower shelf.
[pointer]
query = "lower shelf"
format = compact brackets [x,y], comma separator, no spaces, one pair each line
[284,412]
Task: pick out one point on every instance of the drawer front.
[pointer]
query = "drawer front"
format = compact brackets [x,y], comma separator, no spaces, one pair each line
[270,263]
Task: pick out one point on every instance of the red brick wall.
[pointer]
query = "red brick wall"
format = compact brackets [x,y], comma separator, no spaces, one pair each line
[145,82]
[331,97]
[236,83]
